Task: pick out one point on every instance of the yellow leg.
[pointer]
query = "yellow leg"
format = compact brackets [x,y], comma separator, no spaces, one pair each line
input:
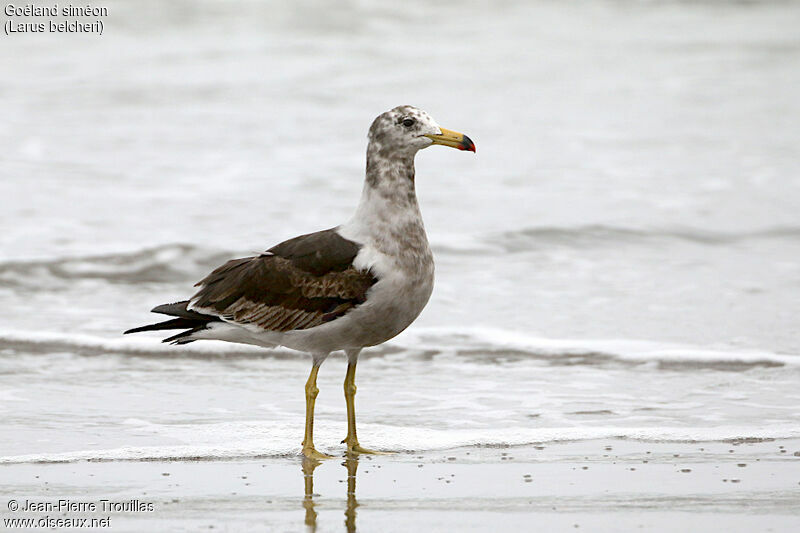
[353,447]
[311,396]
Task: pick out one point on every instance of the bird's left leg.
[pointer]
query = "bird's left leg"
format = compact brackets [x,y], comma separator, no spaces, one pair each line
[311,396]
[353,447]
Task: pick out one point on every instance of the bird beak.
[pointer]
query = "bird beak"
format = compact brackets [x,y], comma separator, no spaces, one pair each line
[453,139]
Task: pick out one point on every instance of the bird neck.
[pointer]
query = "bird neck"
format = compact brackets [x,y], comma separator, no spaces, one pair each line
[391,173]
[388,205]
[389,183]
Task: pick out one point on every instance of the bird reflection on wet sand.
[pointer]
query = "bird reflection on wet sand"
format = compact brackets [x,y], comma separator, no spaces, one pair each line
[309,465]
[308,501]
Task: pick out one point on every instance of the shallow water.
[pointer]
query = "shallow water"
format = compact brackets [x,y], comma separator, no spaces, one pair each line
[620,258]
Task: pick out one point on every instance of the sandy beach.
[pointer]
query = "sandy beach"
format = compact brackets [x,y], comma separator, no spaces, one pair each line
[599,485]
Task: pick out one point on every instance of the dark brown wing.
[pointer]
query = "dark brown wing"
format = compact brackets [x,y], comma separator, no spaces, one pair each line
[298,284]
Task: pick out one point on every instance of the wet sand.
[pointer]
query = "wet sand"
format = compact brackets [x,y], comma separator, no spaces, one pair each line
[598,485]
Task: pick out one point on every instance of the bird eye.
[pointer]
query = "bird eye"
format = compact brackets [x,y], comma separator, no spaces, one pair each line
[408,122]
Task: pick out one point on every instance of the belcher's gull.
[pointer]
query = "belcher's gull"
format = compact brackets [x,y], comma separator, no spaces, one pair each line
[355,285]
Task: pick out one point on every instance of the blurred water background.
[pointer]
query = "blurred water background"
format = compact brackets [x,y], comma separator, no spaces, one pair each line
[620,258]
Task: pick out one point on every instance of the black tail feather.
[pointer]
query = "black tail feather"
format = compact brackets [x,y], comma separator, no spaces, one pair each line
[189,320]
[182,337]
[180,309]
[175,323]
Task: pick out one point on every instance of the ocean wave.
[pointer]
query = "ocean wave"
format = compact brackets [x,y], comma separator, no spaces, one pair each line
[88,345]
[490,345]
[188,263]
[255,439]
[167,263]
[527,239]
[478,345]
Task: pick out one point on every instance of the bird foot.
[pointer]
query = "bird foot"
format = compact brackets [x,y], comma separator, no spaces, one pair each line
[355,449]
[311,453]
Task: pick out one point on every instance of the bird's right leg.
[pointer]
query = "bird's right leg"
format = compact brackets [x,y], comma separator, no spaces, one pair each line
[311,396]
[353,447]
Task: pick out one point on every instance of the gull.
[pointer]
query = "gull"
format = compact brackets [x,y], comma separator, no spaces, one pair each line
[345,288]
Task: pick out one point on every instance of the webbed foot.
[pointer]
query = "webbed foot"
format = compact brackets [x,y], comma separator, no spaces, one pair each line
[311,453]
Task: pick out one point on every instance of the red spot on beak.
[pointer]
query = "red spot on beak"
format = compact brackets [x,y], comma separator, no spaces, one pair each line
[467,144]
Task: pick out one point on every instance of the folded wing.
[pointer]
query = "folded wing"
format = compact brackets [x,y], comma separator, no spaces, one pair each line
[298,284]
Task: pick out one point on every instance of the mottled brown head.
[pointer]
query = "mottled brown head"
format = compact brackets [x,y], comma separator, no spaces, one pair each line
[405,130]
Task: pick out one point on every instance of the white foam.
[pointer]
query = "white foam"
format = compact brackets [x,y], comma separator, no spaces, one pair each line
[443,339]
[127,344]
[622,349]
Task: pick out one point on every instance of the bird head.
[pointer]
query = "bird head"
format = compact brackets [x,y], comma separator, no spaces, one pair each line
[406,130]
